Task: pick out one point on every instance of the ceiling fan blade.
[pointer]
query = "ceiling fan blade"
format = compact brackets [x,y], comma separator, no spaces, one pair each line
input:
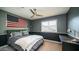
[32,11]
[35,11]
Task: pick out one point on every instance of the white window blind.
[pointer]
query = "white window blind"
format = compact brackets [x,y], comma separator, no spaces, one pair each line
[49,26]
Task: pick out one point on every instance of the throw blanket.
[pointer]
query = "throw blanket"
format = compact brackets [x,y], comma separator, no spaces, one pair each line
[28,42]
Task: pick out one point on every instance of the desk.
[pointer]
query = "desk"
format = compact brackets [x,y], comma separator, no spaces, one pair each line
[68,44]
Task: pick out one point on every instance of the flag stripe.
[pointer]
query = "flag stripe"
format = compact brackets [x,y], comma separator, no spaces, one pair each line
[11,24]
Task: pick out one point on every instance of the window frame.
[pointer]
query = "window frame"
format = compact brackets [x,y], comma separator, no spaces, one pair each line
[49,25]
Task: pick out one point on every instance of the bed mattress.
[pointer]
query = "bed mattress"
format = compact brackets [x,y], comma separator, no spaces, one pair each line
[35,43]
[32,41]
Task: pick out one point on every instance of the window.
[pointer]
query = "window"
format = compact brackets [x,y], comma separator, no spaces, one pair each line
[49,26]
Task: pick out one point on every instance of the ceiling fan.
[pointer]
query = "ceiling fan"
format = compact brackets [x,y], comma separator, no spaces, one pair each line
[35,13]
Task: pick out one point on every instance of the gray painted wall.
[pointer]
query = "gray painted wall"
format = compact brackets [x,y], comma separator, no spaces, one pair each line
[3,18]
[73,21]
[35,25]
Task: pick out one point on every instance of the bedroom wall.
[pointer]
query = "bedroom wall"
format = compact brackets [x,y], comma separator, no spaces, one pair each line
[73,21]
[61,23]
[3,36]
[3,18]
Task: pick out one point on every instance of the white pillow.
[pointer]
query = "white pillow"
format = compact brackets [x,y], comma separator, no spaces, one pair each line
[22,42]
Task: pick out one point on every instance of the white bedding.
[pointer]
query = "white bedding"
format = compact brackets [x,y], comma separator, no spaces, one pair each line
[28,42]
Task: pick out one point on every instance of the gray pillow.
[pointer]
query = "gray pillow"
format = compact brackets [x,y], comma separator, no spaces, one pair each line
[25,33]
[11,42]
[14,34]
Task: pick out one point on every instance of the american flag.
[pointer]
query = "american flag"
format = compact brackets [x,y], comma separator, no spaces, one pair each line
[11,24]
[20,24]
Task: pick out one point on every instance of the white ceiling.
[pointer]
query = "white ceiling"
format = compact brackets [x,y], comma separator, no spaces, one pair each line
[45,11]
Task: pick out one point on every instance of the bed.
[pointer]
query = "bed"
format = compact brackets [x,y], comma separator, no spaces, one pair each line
[18,41]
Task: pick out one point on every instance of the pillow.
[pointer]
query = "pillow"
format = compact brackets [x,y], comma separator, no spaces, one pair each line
[25,33]
[17,34]
[14,34]
[11,34]
[22,42]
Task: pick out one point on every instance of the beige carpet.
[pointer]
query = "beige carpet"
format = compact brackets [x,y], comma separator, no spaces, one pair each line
[50,46]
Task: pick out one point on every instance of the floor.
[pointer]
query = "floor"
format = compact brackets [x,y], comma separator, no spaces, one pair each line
[50,46]
[6,48]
